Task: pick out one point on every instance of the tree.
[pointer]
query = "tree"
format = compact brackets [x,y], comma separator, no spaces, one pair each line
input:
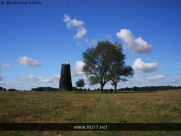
[119,73]
[135,88]
[80,83]
[98,61]
[118,70]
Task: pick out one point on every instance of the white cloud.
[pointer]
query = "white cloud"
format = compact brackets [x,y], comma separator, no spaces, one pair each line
[21,78]
[177,79]
[52,79]
[35,79]
[136,45]
[143,66]
[139,75]
[154,78]
[28,61]
[77,70]
[81,31]
[130,82]
[72,22]
[6,65]
[85,78]
[157,80]
[4,83]
[32,78]
[93,41]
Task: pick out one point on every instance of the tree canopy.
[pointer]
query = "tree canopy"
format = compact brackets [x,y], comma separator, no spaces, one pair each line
[104,63]
[80,83]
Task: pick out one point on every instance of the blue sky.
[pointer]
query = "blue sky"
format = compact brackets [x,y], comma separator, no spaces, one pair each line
[35,39]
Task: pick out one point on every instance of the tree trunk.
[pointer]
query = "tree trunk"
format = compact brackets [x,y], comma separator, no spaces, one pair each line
[115,87]
[101,88]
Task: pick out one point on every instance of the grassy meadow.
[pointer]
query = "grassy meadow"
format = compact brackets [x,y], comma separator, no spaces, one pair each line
[96,107]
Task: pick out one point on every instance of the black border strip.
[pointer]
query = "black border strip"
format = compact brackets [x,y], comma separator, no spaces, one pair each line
[90,126]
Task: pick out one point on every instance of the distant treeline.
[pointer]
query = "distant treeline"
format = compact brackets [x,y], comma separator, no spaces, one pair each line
[146,88]
[55,89]
[149,88]
[47,89]
[2,89]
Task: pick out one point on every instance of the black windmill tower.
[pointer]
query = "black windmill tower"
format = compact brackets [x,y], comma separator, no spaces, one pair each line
[65,83]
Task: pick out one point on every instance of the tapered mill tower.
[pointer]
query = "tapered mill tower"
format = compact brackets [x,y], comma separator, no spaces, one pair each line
[65,83]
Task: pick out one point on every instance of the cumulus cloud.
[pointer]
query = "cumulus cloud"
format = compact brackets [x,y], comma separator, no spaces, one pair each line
[177,79]
[136,45]
[159,80]
[32,78]
[6,65]
[143,66]
[52,79]
[21,78]
[35,79]
[154,78]
[77,70]
[4,83]
[139,75]
[81,31]
[130,82]
[28,61]
[72,22]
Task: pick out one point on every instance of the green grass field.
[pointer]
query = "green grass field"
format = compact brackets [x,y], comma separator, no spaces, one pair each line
[80,107]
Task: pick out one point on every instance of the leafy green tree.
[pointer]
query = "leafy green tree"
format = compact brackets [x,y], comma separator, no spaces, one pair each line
[80,83]
[119,73]
[98,61]
[118,70]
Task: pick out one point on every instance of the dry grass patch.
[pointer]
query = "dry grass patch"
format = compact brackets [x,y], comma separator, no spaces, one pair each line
[73,107]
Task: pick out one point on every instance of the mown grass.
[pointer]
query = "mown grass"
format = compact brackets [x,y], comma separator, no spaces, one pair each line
[76,107]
